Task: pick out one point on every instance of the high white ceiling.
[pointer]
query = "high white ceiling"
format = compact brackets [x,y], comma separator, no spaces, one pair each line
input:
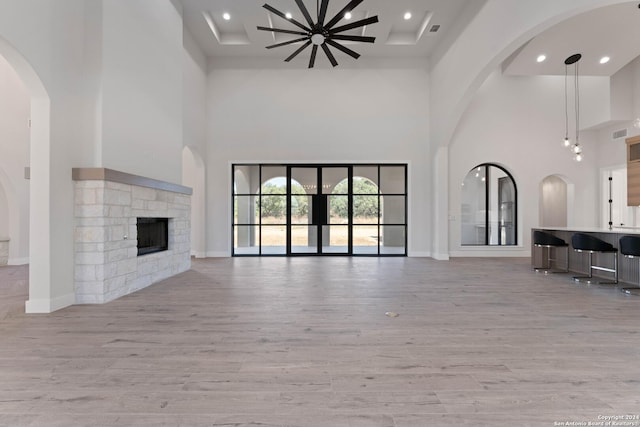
[612,31]
[395,36]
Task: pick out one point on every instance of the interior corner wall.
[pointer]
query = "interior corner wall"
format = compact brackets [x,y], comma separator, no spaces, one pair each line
[524,138]
[15,104]
[142,66]
[317,116]
[194,131]
[194,101]
[636,89]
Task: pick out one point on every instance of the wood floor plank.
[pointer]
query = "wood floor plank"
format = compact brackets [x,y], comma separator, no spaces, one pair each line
[287,342]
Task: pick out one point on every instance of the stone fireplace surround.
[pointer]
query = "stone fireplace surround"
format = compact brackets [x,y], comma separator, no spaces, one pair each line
[107,205]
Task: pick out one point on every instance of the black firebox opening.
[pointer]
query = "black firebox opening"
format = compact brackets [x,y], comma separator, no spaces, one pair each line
[153,235]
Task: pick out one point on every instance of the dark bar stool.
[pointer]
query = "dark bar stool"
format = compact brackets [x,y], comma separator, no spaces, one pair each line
[582,242]
[548,241]
[630,248]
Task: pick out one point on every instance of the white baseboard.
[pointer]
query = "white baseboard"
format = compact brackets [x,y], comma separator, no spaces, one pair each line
[491,254]
[198,254]
[18,261]
[34,306]
[441,257]
[218,255]
[412,254]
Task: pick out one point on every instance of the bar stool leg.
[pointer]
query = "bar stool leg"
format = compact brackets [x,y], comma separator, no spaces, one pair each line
[615,272]
[632,290]
[590,276]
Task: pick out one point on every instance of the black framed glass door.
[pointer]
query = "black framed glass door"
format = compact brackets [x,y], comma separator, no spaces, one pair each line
[335,209]
[319,217]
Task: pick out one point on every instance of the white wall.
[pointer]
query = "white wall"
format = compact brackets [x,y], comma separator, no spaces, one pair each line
[518,123]
[318,115]
[43,41]
[142,63]
[14,157]
[108,94]
[194,96]
[194,131]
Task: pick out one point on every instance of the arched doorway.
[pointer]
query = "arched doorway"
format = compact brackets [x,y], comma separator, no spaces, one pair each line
[41,295]
[14,156]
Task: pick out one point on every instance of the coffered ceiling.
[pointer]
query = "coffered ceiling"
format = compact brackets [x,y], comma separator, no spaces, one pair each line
[612,31]
[396,37]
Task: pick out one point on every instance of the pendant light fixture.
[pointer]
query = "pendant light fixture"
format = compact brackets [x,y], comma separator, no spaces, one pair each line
[576,148]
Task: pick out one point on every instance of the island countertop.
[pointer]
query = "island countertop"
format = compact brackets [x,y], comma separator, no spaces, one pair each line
[614,230]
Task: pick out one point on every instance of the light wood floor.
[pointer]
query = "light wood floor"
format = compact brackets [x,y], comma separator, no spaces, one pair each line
[305,342]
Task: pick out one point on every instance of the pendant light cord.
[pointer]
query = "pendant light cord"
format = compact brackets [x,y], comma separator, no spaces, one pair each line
[577,104]
[566,107]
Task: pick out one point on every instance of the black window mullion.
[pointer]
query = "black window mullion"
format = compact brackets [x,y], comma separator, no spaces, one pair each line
[379,209]
[289,201]
[486,206]
[259,210]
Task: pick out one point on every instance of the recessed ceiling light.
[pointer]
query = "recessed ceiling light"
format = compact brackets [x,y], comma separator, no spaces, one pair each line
[604,59]
[407,16]
[288,15]
[347,15]
[226,16]
[541,58]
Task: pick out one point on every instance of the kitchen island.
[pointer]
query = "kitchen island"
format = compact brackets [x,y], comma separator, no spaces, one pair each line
[628,268]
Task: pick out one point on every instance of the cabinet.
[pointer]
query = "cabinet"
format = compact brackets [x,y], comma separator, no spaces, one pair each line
[633,171]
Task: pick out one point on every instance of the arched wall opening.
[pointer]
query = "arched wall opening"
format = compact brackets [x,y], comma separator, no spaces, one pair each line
[460,75]
[14,157]
[41,298]
[9,220]
[193,175]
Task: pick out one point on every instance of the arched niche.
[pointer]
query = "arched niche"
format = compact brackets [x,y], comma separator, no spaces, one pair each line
[556,200]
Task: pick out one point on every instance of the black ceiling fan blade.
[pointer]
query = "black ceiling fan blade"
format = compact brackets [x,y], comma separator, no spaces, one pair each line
[360,23]
[312,60]
[300,49]
[332,58]
[348,8]
[323,12]
[277,30]
[283,16]
[289,42]
[364,39]
[346,50]
[305,13]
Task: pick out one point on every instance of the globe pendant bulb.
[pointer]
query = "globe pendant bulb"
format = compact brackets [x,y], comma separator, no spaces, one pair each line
[566,142]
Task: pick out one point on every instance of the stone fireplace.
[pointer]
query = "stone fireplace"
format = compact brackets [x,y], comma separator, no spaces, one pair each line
[109,206]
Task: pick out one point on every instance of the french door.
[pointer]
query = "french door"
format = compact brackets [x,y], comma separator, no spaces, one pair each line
[336,209]
[321,229]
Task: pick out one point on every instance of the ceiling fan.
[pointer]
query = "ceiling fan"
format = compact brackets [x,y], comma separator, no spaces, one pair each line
[320,33]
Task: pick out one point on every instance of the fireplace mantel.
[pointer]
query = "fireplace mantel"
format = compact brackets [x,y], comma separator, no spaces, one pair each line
[104,174]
